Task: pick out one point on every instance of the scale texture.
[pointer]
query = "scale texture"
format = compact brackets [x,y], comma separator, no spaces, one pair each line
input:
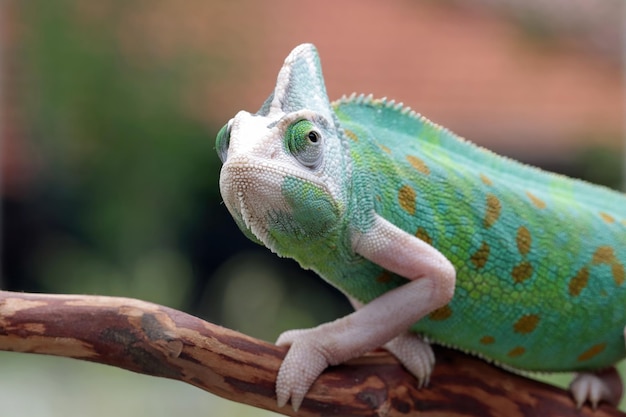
[539,258]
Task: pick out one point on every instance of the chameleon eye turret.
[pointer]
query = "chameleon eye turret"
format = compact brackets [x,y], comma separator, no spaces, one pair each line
[304,142]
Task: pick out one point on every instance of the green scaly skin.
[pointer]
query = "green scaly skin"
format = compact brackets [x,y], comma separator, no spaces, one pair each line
[539,257]
[354,188]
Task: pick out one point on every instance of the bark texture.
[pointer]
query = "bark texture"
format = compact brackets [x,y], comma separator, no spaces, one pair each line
[160,341]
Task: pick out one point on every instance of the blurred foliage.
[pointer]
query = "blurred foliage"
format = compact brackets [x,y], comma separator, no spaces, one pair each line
[261,295]
[126,200]
[125,173]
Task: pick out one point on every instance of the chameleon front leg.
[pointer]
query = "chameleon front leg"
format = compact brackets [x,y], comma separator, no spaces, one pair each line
[411,350]
[431,285]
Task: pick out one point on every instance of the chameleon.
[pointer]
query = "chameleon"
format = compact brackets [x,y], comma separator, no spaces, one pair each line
[432,238]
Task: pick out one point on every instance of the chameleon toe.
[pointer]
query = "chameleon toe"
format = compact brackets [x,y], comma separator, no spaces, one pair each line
[596,387]
[415,354]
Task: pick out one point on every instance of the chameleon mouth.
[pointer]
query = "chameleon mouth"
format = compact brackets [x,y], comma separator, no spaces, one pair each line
[257,228]
[253,191]
[246,212]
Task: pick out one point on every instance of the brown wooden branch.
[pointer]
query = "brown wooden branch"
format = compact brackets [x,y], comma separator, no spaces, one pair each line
[156,340]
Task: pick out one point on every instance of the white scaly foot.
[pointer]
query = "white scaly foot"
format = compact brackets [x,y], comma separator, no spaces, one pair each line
[308,356]
[604,385]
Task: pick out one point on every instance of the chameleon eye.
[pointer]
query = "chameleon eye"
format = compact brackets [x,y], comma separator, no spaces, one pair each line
[304,142]
[313,136]
[222,142]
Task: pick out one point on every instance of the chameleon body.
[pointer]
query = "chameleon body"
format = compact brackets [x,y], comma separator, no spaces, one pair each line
[370,195]
[539,257]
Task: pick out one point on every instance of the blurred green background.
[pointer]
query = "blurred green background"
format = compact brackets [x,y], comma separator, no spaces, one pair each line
[110,178]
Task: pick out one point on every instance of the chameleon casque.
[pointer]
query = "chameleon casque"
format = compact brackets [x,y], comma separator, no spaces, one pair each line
[432,238]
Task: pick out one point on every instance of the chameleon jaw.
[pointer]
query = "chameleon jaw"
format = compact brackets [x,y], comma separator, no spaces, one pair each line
[252,190]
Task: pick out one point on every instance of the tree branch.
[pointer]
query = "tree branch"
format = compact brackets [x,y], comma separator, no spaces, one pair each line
[156,340]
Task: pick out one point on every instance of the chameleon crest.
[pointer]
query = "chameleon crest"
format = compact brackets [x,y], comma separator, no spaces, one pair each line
[431,237]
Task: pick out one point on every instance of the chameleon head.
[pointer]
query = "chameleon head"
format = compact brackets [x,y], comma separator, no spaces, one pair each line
[283,167]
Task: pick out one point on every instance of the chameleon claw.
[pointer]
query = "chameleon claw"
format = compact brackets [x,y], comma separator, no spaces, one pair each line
[596,387]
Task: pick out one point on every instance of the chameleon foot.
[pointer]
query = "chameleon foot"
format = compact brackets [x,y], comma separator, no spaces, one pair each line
[604,385]
[304,362]
[415,354]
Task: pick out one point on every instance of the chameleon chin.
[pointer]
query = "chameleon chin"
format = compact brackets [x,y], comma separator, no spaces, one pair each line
[433,238]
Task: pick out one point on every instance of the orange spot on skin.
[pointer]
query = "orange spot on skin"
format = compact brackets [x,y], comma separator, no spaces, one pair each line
[485,179]
[591,352]
[604,255]
[385,149]
[526,324]
[487,340]
[523,240]
[481,256]
[624,222]
[441,313]
[384,277]
[406,198]
[540,204]
[516,351]
[579,282]
[351,135]
[522,271]
[607,217]
[493,211]
[423,235]
[418,164]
